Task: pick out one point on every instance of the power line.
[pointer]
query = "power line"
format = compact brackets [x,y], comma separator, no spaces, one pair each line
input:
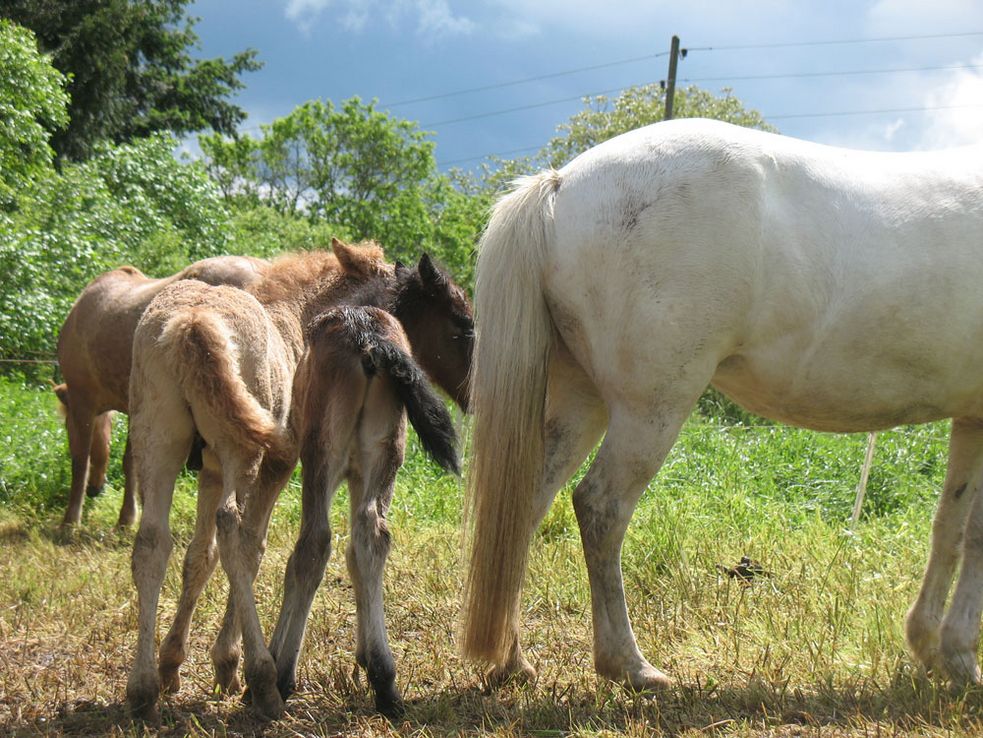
[781,116]
[516,109]
[839,73]
[485,156]
[646,57]
[791,75]
[786,116]
[789,44]
[525,80]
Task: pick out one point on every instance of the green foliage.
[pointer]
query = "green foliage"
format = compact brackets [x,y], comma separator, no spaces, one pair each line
[131,204]
[32,101]
[262,231]
[131,68]
[635,107]
[366,174]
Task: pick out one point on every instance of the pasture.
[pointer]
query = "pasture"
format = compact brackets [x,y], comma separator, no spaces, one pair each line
[816,648]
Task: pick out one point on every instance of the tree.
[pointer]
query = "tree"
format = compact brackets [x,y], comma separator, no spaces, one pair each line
[131,69]
[604,118]
[32,100]
[350,166]
[128,204]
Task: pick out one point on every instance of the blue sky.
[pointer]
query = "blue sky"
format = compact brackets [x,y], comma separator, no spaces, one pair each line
[407,49]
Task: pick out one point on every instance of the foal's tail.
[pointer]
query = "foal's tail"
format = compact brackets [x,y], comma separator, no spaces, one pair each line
[426,411]
[204,359]
[508,388]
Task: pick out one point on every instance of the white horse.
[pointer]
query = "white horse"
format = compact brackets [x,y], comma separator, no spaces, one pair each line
[830,289]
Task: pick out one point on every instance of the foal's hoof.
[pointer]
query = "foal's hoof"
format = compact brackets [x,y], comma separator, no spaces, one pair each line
[647,679]
[227,677]
[390,705]
[961,668]
[141,701]
[92,490]
[516,672]
[267,703]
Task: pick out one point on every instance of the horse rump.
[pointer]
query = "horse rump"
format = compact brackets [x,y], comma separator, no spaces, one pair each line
[382,347]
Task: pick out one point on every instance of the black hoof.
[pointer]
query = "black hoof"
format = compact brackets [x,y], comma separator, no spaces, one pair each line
[390,706]
[93,491]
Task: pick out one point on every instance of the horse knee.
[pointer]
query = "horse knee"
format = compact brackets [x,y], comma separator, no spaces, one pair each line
[310,556]
[370,533]
[151,548]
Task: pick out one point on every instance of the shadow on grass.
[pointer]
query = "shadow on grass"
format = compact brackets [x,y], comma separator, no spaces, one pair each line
[913,704]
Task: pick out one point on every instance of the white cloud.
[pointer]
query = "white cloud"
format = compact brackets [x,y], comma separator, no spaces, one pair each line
[434,18]
[903,17]
[959,120]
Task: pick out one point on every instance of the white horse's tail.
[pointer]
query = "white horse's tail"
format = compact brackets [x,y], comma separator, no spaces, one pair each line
[508,388]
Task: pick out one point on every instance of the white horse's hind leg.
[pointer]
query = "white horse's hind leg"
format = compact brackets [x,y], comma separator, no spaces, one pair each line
[964,477]
[632,452]
[960,631]
[199,563]
[575,420]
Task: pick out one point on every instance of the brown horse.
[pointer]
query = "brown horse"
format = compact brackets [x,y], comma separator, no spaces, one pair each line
[350,392]
[221,362]
[94,353]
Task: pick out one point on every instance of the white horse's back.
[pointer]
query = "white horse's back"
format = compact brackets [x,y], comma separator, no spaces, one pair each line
[834,289]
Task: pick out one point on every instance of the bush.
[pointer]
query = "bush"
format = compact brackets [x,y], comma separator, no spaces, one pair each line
[131,204]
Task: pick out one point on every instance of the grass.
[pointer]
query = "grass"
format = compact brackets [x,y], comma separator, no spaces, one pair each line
[814,649]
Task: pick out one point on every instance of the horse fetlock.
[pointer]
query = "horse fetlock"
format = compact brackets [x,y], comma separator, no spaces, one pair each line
[958,656]
[286,682]
[172,655]
[381,670]
[94,490]
[922,635]
[227,673]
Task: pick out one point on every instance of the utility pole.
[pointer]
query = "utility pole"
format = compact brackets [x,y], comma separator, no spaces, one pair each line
[671,82]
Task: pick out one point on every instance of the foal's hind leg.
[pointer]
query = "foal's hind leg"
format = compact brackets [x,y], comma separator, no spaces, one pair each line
[964,477]
[575,419]
[378,456]
[226,651]
[632,451]
[199,563]
[159,462]
[323,469]
[242,542]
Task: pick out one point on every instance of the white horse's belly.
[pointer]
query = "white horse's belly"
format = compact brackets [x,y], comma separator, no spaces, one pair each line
[835,390]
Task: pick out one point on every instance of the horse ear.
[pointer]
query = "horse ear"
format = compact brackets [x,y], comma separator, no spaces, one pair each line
[363,261]
[429,272]
[400,268]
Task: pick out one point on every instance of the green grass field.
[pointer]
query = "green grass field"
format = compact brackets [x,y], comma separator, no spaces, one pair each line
[814,649]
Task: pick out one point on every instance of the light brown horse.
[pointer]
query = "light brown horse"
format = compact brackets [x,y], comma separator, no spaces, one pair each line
[94,354]
[221,362]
